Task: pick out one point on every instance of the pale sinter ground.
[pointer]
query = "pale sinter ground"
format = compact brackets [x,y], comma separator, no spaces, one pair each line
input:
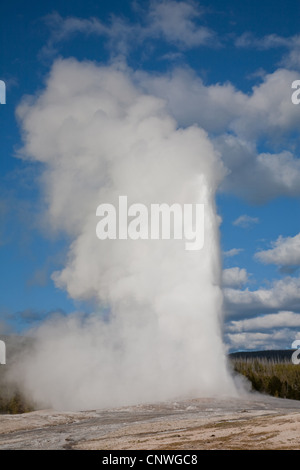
[252,422]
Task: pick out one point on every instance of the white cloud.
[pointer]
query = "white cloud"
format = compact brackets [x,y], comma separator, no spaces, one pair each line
[285,252]
[176,22]
[220,108]
[258,177]
[269,110]
[291,59]
[234,277]
[62,29]
[284,294]
[270,41]
[245,221]
[283,169]
[232,252]
[265,322]
[278,339]
[190,101]
[291,44]
[237,121]
[254,324]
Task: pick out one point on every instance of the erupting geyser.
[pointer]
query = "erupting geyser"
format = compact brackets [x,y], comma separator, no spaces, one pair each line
[99,137]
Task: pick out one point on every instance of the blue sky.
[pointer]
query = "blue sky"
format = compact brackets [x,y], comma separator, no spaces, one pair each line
[227,68]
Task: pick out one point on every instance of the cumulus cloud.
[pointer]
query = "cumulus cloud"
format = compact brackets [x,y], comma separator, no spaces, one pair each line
[291,59]
[284,294]
[285,252]
[267,110]
[62,29]
[190,101]
[283,169]
[263,331]
[265,322]
[232,252]
[278,339]
[236,122]
[245,221]
[234,277]
[177,23]
[257,177]
[273,41]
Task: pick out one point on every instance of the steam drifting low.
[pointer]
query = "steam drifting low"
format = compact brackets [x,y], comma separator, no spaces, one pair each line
[99,137]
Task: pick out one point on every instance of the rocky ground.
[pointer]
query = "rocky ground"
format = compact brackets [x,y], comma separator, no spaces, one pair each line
[252,422]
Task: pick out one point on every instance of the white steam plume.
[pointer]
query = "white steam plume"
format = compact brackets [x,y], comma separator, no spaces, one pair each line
[100,137]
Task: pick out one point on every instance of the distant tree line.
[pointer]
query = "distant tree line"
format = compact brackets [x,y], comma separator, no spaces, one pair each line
[12,400]
[279,378]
